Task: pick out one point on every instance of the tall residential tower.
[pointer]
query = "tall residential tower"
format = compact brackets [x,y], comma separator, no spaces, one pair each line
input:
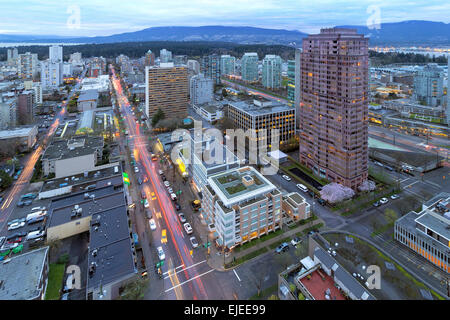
[334,105]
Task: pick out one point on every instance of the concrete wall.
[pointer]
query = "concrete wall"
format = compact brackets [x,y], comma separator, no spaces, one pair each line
[76,165]
[69,229]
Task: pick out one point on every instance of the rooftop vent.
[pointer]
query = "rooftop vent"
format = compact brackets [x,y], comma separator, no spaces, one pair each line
[247,180]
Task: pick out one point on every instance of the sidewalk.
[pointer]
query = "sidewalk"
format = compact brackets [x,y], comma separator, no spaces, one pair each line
[216,261]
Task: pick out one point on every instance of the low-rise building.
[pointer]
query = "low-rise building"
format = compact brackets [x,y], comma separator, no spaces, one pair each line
[24,277]
[296,207]
[209,111]
[242,204]
[428,232]
[69,157]
[24,137]
[88,100]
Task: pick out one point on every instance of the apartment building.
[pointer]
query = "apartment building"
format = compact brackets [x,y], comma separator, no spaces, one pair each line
[296,207]
[259,114]
[193,66]
[25,107]
[334,106]
[271,71]
[210,67]
[227,64]
[165,56]
[429,85]
[242,204]
[249,67]
[428,232]
[166,89]
[149,58]
[201,89]
[51,74]
[28,65]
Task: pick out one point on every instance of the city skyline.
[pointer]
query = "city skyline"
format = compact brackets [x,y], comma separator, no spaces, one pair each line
[83,18]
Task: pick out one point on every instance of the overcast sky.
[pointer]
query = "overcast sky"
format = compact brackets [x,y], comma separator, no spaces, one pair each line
[96,17]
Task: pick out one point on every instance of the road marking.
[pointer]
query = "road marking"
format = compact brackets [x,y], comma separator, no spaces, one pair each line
[191,266]
[433,184]
[181,266]
[198,276]
[411,184]
[237,275]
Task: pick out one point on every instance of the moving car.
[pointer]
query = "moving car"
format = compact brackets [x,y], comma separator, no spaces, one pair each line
[302,187]
[146,204]
[136,169]
[196,205]
[187,228]
[152,224]
[177,206]
[153,196]
[287,178]
[321,202]
[161,254]
[160,172]
[139,181]
[164,236]
[395,196]
[182,217]
[296,241]
[173,196]
[170,190]
[167,183]
[34,235]
[282,247]
[194,242]
[148,214]
[16,225]
[384,200]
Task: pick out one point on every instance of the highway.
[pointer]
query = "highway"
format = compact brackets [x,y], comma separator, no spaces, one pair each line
[23,181]
[182,273]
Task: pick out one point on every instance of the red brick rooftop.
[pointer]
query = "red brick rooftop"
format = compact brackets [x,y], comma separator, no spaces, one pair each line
[317,287]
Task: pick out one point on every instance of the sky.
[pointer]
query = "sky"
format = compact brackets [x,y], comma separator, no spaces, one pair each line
[105,17]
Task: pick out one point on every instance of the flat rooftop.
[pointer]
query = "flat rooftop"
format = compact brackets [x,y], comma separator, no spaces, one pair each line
[97,177]
[20,277]
[252,109]
[88,95]
[17,132]
[317,286]
[230,188]
[75,147]
[105,199]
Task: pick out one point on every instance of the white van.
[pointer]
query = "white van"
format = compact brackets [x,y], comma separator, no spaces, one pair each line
[36,215]
[34,235]
[302,187]
[36,209]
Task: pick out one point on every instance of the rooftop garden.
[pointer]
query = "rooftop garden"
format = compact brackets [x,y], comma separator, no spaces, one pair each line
[235,189]
[227,179]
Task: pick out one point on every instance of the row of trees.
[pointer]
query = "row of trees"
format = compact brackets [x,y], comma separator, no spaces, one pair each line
[385,58]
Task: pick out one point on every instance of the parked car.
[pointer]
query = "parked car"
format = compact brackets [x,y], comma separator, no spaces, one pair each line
[8,246]
[34,235]
[170,190]
[15,236]
[16,220]
[188,228]
[146,204]
[16,225]
[321,202]
[173,196]
[177,206]
[182,217]
[2,240]
[282,247]
[160,172]
[152,224]
[311,194]
[302,187]
[161,254]
[376,204]
[20,203]
[36,209]
[28,202]
[296,241]
[139,181]
[395,196]
[384,200]
[167,183]
[194,242]
[143,194]
[287,178]
[136,169]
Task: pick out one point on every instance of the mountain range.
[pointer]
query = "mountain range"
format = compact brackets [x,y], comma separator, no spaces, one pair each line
[414,33]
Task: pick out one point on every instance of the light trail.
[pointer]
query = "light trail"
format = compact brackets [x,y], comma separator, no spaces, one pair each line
[166,206]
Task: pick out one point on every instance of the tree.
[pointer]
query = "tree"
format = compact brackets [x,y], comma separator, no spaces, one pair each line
[135,290]
[390,215]
[260,274]
[159,115]
[335,192]
[5,180]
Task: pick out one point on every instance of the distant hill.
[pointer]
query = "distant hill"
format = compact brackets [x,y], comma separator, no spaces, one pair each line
[241,35]
[414,32]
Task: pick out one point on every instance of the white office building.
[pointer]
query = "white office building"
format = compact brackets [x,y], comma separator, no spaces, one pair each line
[165,56]
[51,74]
[56,54]
[201,89]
